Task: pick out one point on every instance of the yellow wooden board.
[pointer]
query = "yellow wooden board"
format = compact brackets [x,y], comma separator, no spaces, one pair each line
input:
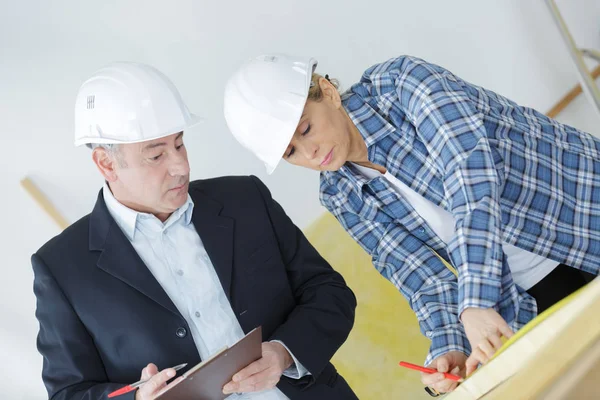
[546,349]
[386,329]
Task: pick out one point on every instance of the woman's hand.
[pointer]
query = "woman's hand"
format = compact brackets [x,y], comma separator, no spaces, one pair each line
[484,328]
[452,362]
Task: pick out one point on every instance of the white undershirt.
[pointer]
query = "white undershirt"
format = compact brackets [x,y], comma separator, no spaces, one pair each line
[527,268]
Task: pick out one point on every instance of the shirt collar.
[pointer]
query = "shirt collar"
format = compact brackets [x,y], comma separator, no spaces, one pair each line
[185,212]
[372,126]
[128,219]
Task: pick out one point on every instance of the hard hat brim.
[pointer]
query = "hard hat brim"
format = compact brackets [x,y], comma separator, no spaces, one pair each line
[193,120]
[272,164]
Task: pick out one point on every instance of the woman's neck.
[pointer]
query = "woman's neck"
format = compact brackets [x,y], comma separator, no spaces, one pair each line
[358,152]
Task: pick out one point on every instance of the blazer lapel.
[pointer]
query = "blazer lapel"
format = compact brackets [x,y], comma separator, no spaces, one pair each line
[216,233]
[119,259]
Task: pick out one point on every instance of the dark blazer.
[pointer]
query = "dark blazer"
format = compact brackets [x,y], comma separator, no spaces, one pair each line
[103,316]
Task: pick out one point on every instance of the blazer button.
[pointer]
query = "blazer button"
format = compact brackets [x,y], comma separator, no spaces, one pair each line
[181,332]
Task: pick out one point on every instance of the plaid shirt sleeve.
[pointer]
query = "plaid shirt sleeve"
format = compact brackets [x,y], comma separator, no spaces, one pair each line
[452,128]
[432,292]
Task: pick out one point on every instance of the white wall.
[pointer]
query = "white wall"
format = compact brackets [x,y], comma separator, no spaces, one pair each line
[48,48]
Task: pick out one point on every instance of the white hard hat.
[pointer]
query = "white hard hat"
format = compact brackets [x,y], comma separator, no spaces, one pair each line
[128,103]
[264,100]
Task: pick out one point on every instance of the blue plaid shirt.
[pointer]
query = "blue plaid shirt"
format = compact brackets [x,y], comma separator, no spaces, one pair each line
[507,174]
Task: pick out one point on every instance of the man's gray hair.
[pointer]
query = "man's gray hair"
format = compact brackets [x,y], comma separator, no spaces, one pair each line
[107,146]
[112,149]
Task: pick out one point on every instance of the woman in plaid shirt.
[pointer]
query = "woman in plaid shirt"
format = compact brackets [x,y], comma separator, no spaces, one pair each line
[480,211]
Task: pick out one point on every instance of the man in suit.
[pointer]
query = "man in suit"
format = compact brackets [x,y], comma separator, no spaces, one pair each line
[167,271]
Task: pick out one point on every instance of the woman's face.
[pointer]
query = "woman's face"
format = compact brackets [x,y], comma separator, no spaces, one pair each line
[322,139]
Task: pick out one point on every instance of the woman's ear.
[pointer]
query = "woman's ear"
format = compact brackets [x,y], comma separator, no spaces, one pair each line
[330,92]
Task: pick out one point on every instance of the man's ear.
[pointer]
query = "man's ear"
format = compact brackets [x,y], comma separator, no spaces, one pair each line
[106,164]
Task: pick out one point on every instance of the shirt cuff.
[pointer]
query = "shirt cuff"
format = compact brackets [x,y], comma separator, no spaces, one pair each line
[477,292]
[296,370]
[448,338]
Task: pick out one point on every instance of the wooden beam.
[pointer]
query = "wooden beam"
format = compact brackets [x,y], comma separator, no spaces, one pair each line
[44,203]
[552,363]
[544,358]
[569,97]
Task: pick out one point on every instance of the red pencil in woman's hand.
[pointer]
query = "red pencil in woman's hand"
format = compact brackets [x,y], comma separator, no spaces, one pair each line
[430,371]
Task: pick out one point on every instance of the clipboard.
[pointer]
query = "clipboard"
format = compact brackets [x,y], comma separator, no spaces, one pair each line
[205,381]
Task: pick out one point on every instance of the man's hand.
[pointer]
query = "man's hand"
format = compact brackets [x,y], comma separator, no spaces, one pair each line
[484,328]
[262,374]
[452,362]
[157,382]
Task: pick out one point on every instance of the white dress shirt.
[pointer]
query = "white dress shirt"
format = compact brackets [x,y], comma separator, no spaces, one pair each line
[526,268]
[174,253]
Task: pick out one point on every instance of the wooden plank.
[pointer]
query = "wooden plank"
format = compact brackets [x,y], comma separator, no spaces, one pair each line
[44,203]
[517,368]
[569,97]
[581,380]
[553,361]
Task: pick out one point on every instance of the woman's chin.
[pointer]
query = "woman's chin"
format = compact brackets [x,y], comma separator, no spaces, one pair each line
[333,166]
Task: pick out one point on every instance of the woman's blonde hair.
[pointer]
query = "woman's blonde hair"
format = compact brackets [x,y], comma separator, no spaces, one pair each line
[314,92]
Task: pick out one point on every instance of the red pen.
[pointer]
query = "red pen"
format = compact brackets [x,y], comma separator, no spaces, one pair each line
[430,371]
[137,384]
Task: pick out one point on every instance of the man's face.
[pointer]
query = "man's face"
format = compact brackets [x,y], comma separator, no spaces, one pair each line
[151,176]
